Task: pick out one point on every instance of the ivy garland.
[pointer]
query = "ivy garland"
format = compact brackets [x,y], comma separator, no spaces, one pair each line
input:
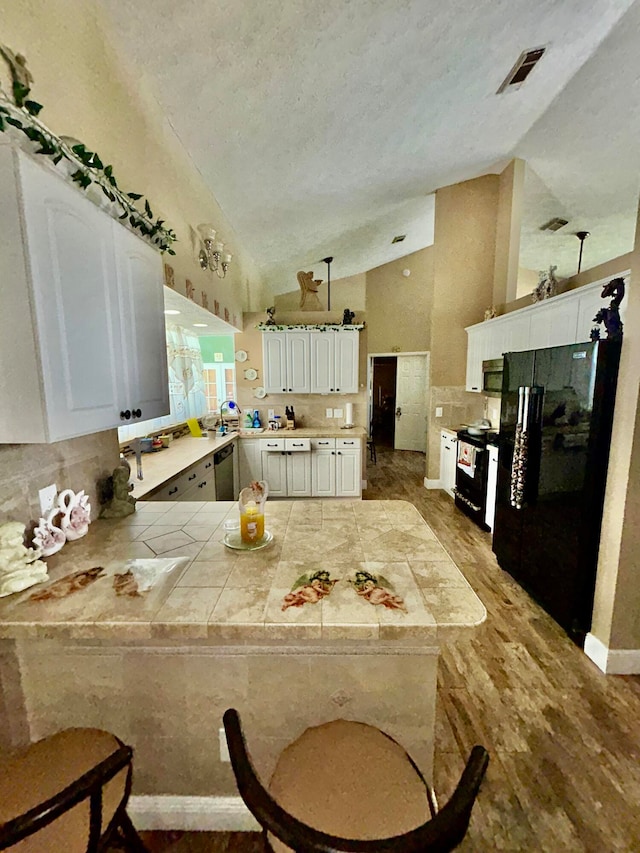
[22,113]
[310,327]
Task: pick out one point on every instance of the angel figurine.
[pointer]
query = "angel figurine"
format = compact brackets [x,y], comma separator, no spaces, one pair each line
[20,567]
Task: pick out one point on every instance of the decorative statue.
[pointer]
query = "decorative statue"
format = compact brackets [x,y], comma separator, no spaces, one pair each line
[610,316]
[347,317]
[47,536]
[270,314]
[309,300]
[547,285]
[21,77]
[76,513]
[490,313]
[20,567]
[122,503]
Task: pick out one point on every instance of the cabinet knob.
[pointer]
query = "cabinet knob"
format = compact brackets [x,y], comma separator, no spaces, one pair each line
[193,476]
[137,413]
[339,452]
[284,389]
[330,389]
[126,415]
[290,389]
[173,490]
[337,389]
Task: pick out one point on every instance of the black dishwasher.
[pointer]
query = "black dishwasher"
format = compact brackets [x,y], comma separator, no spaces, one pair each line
[223,465]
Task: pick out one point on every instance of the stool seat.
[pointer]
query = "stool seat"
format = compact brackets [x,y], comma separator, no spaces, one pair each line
[46,805]
[351,780]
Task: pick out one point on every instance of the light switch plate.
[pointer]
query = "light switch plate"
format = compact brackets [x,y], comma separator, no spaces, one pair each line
[438,411]
[338,413]
[47,497]
[271,413]
[329,413]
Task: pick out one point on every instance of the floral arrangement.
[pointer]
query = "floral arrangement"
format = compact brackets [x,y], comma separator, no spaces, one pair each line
[86,167]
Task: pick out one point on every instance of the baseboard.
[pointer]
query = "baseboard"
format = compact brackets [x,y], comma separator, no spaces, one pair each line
[432,484]
[191,814]
[612,661]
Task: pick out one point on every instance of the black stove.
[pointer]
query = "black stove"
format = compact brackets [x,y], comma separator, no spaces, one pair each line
[472,468]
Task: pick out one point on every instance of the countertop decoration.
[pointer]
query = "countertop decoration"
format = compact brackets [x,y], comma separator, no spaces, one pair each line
[20,567]
[73,158]
[309,589]
[377,590]
[122,503]
[75,510]
[47,536]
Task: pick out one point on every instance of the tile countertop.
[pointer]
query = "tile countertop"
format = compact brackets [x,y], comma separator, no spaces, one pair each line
[161,465]
[310,432]
[218,594]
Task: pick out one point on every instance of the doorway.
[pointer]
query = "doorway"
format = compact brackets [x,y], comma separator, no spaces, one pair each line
[398,387]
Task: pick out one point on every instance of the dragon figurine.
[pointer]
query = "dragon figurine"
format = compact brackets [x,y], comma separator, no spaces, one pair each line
[610,316]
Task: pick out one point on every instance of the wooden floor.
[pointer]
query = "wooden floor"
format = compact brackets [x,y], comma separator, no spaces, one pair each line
[564,739]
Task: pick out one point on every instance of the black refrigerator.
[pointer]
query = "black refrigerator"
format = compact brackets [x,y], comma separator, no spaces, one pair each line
[555,432]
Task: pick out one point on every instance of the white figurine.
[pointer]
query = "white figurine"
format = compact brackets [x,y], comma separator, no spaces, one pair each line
[20,567]
[47,536]
[76,513]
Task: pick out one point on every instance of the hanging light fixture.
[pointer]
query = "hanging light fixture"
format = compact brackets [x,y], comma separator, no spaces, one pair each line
[327,261]
[213,256]
[582,236]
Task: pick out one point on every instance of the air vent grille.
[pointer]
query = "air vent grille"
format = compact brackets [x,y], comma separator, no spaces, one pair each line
[399,238]
[554,224]
[525,64]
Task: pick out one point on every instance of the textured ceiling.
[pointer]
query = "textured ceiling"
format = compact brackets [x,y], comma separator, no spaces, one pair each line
[324,128]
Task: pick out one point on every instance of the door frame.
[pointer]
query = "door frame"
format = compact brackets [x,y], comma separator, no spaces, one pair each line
[371,356]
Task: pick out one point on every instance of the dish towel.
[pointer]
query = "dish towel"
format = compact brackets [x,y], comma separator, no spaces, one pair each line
[467,458]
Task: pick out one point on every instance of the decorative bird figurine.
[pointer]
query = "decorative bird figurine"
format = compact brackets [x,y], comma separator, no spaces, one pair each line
[47,537]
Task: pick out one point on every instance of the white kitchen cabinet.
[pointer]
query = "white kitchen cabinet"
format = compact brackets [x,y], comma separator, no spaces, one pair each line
[274,472]
[69,348]
[143,328]
[563,319]
[286,467]
[348,468]
[334,362]
[448,453]
[286,362]
[323,467]
[299,474]
[249,461]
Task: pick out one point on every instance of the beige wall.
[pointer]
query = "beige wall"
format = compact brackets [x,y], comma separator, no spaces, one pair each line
[616,615]
[399,307]
[345,293]
[510,202]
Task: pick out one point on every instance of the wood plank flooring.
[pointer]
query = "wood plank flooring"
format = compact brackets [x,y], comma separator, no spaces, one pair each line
[564,739]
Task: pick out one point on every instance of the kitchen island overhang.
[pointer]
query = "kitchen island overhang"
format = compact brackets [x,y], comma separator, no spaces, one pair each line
[343,615]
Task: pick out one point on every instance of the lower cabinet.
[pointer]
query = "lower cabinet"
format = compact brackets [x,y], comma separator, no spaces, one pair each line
[197,483]
[448,460]
[302,467]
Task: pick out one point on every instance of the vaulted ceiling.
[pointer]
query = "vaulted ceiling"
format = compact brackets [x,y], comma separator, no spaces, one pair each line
[324,128]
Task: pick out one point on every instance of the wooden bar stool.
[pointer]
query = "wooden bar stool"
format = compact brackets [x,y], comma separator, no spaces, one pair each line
[68,793]
[346,787]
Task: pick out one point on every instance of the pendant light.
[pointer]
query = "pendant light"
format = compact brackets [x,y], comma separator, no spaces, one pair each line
[327,261]
[582,236]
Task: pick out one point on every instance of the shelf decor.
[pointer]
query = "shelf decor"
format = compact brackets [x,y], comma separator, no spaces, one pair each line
[84,167]
[310,327]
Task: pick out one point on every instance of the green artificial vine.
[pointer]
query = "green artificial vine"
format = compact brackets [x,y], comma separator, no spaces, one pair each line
[22,113]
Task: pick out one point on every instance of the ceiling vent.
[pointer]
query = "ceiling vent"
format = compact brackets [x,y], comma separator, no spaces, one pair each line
[527,61]
[399,238]
[554,224]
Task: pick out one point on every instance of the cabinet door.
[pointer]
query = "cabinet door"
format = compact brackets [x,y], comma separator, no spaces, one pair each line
[447,462]
[475,342]
[516,334]
[144,344]
[588,306]
[299,475]
[348,473]
[274,472]
[274,353]
[322,362]
[76,305]
[346,346]
[323,473]
[249,461]
[554,325]
[298,362]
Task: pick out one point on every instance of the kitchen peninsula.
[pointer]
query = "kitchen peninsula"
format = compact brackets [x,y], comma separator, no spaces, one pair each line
[341,615]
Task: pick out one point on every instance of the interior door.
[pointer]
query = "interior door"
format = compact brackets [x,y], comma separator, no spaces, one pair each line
[411,403]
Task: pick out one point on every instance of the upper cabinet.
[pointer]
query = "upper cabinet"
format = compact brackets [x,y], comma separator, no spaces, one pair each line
[564,319]
[316,362]
[82,323]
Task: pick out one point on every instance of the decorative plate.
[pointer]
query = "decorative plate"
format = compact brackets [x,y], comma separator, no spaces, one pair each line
[260,393]
[250,373]
[234,540]
[241,355]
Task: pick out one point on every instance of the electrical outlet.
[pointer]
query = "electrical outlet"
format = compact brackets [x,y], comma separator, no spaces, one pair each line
[438,411]
[271,413]
[47,497]
[224,746]
[329,413]
[338,413]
